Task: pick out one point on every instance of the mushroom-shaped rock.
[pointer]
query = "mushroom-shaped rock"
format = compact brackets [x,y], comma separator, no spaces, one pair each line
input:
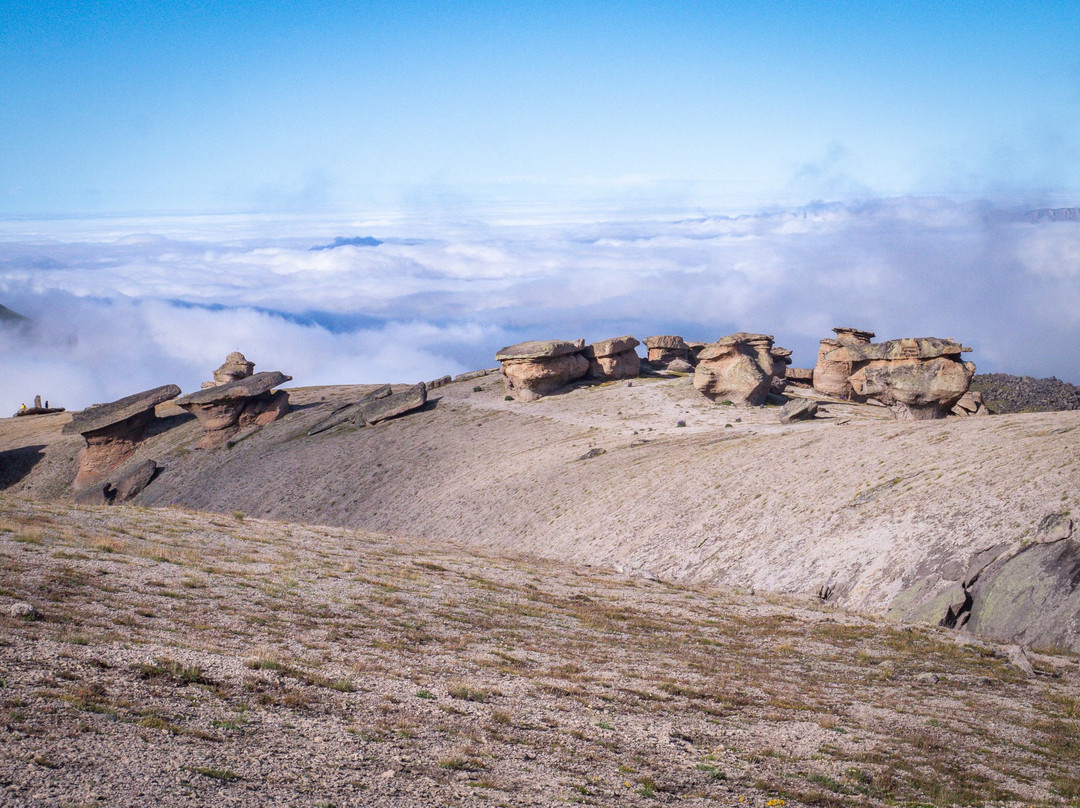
[917,379]
[833,369]
[667,348]
[613,358]
[113,431]
[737,368]
[781,358]
[235,367]
[226,409]
[540,367]
[853,336]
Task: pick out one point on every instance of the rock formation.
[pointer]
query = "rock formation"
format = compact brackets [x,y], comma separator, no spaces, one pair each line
[225,409]
[737,368]
[799,377]
[665,349]
[541,367]
[971,403]
[113,431]
[380,404]
[798,409]
[123,486]
[235,367]
[834,367]
[781,359]
[613,358]
[917,379]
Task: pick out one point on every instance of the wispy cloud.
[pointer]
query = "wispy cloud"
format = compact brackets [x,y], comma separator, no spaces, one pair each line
[141,305]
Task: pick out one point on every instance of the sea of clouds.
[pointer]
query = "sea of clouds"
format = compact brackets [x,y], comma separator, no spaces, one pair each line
[119,305]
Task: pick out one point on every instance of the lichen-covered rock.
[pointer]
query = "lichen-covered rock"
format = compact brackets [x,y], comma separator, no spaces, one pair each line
[384,407]
[613,358]
[737,368]
[113,431]
[835,364]
[538,368]
[667,348]
[226,409]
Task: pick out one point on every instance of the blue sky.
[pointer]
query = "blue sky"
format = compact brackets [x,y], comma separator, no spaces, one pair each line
[217,106]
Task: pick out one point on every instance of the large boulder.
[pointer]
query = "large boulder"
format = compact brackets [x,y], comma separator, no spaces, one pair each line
[799,377]
[737,368]
[667,348]
[541,367]
[613,358]
[226,409]
[835,365]
[235,367]
[382,408]
[113,431]
[781,358]
[918,379]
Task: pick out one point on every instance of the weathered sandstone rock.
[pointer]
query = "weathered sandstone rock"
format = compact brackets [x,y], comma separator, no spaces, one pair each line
[679,366]
[226,409]
[917,379]
[835,365]
[348,412]
[613,358]
[537,368]
[123,487]
[113,431]
[664,349]
[781,358]
[853,336]
[737,368]
[235,367]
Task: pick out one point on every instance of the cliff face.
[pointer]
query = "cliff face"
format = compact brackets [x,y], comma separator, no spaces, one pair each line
[880,516]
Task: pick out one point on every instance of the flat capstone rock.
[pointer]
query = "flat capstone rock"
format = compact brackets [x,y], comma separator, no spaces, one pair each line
[538,349]
[100,416]
[610,347]
[914,348]
[242,388]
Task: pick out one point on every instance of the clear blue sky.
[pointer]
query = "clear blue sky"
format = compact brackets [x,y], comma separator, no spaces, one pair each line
[209,106]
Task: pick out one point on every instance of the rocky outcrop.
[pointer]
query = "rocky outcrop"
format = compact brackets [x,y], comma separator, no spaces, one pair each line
[834,367]
[541,367]
[781,359]
[235,367]
[918,379]
[613,358]
[383,408]
[737,368]
[113,431]
[665,349]
[38,408]
[123,487]
[225,409]
[971,403]
[1003,392]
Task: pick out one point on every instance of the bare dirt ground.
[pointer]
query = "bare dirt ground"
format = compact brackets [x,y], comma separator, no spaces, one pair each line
[181,658]
[852,501]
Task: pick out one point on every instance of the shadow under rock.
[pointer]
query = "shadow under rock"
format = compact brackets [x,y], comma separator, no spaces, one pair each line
[15,464]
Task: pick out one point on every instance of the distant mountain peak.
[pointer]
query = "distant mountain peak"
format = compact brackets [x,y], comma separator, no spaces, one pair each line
[354,241]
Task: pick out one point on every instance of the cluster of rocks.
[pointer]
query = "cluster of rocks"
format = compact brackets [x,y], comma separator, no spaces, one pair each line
[918,378]
[1003,392]
[541,367]
[114,431]
[739,369]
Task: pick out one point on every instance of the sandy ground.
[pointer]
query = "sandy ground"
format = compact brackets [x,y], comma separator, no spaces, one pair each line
[181,658]
[853,500]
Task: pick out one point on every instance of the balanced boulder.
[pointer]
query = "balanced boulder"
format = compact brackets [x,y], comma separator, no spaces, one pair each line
[613,358]
[781,359]
[235,367]
[226,409]
[113,431]
[835,365]
[541,367]
[665,349]
[737,368]
[917,379]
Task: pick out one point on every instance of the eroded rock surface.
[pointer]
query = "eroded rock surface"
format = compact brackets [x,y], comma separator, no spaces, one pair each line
[781,359]
[382,408]
[226,409]
[235,367]
[667,348]
[917,379]
[541,367]
[613,358]
[737,368]
[113,431]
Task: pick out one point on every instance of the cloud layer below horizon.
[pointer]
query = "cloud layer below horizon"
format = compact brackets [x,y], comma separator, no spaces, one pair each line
[119,307]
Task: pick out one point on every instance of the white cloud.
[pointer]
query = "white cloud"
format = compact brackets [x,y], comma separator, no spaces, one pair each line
[146,302]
